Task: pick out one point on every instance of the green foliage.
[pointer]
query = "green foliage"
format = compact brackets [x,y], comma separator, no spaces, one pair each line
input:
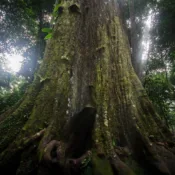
[55,10]
[21,23]
[160,77]
[49,33]
[48,36]
[162,93]
[85,162]
[8,97]
[18,25]
[4,78]
[22,26]
[47,30]
[164,27]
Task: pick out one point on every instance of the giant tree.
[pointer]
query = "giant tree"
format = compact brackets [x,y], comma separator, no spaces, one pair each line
[86,111]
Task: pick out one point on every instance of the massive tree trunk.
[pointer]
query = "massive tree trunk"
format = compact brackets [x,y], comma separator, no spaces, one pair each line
[86,111]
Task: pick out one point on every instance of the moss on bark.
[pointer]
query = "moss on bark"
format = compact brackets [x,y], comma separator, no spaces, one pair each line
[87,63]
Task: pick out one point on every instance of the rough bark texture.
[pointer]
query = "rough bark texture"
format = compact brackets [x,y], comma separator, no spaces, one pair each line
[96,116]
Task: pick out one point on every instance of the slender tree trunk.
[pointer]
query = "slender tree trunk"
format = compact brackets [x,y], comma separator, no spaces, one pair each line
[135,41]
[40,44]
[86,111]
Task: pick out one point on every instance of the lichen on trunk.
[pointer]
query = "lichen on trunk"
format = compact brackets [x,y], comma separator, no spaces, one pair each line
[87,102]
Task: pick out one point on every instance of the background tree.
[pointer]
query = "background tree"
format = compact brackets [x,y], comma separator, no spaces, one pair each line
[135,13]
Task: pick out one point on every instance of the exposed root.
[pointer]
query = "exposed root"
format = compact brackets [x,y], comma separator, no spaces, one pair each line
[27,141]
[11,110]
[148,155]
[53,152]
[79,161]
[119,167]
[24,143]
[10,158]
[54,159]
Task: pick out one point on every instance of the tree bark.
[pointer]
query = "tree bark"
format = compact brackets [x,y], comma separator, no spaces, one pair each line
[86,96]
